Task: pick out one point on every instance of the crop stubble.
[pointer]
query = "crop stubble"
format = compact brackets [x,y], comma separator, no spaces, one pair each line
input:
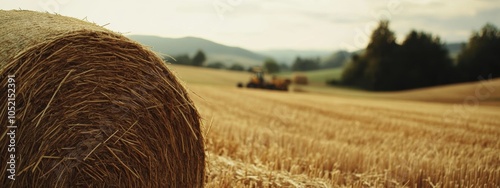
[272,139]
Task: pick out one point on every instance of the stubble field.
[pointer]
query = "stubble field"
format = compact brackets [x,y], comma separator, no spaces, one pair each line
[258,138]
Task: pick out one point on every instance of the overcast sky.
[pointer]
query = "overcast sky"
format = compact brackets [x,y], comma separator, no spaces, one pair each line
[277,24]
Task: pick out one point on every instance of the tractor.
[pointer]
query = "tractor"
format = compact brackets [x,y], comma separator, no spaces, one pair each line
[257,81]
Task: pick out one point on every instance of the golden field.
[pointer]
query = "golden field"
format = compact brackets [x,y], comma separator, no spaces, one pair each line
[438,137]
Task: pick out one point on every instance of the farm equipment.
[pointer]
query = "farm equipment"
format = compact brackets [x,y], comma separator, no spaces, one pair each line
[257,81]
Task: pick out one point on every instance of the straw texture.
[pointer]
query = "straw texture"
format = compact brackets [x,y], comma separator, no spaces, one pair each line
[93,109]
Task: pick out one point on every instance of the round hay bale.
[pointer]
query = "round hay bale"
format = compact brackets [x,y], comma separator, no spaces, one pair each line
[300,79]
[92,109]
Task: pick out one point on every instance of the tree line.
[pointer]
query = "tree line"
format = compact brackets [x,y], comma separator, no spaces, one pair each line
[421,60]
[269,64]
[199,60]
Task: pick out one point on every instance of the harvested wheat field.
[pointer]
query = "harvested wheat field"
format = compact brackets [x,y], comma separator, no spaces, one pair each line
[259,138]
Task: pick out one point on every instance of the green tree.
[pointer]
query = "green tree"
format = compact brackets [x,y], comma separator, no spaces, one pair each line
[336,60]
[354,72]
[305,64]
[382,41]
[424,61]
[216,65]
[271,66]
[481,58]
[284,67]
[199,58]
[380,53]
[237,67]
[421,61]
[374,69]
[182,59]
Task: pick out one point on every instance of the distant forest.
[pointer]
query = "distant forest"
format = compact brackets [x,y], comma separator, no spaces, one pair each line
[421,60]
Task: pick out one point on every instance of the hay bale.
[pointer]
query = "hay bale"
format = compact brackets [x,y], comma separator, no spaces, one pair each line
[93,109]
[300,79]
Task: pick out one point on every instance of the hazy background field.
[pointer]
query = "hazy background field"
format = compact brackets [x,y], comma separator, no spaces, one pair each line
[327,137]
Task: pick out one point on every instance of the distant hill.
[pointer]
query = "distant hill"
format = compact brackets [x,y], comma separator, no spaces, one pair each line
[329,59]
[230,55]
[189,45]
[459,93]
[336,60]
[289,56]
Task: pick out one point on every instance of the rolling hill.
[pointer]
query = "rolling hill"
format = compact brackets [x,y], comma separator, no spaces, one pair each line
[336,60]
[229,55]
[288,56]
[487,92]
[189,45]
[484,92]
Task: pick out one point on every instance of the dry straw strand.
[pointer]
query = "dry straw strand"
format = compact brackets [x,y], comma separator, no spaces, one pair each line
[94,108]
